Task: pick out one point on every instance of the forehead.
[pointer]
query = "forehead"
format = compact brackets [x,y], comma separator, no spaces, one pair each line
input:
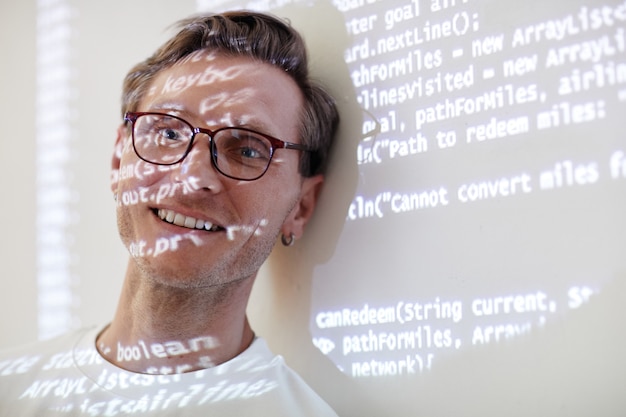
[222,89]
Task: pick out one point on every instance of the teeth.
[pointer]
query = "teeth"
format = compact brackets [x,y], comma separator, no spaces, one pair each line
[179,220]
[185,221]
[190,222]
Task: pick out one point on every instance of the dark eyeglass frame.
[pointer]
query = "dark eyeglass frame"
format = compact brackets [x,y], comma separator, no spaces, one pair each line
[274,142]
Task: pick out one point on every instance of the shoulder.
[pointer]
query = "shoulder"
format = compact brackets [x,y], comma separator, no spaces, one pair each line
[37,356]
[39,369]
[284,388]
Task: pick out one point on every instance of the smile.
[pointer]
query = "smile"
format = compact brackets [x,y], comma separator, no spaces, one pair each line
[178,219]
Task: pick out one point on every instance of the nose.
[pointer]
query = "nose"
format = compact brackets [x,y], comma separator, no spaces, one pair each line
[198,165]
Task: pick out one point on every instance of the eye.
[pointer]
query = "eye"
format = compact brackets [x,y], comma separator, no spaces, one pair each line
[242,146]
[250,152]
[168,133]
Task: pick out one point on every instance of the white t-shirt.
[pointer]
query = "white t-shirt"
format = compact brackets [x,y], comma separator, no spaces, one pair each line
[67,376]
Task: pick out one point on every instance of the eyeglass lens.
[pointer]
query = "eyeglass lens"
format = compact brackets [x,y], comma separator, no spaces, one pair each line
[166,140]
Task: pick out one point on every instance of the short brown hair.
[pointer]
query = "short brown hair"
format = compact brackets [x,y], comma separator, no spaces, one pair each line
[258,36]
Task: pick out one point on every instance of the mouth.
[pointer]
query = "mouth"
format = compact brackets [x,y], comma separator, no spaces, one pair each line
[171,217]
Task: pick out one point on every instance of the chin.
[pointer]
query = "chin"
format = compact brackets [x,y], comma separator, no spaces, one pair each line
[180,279]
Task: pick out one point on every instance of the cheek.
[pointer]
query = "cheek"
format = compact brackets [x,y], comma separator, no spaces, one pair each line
[271,207]
[142,182]
[137,171]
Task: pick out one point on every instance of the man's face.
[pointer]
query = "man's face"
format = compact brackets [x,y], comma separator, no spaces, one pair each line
[164,211]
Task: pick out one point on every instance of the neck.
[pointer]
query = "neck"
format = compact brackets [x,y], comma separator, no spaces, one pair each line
[163,329]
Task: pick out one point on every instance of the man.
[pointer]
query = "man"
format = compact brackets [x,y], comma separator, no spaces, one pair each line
[221,151]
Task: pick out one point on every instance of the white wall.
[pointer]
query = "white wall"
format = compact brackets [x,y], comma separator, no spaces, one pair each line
[17,108]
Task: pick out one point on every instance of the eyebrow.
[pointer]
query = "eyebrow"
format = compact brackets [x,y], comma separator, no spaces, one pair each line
[168,106]
[251,123]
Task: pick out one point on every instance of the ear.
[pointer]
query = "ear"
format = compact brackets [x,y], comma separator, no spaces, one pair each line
[304,208]
[118,149]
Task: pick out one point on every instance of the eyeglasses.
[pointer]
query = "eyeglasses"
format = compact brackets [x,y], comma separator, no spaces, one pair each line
[236,152]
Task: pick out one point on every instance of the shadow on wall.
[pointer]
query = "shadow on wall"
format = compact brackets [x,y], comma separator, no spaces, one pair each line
[291,269]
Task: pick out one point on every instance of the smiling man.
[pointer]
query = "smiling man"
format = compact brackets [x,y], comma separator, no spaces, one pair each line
[220,155]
